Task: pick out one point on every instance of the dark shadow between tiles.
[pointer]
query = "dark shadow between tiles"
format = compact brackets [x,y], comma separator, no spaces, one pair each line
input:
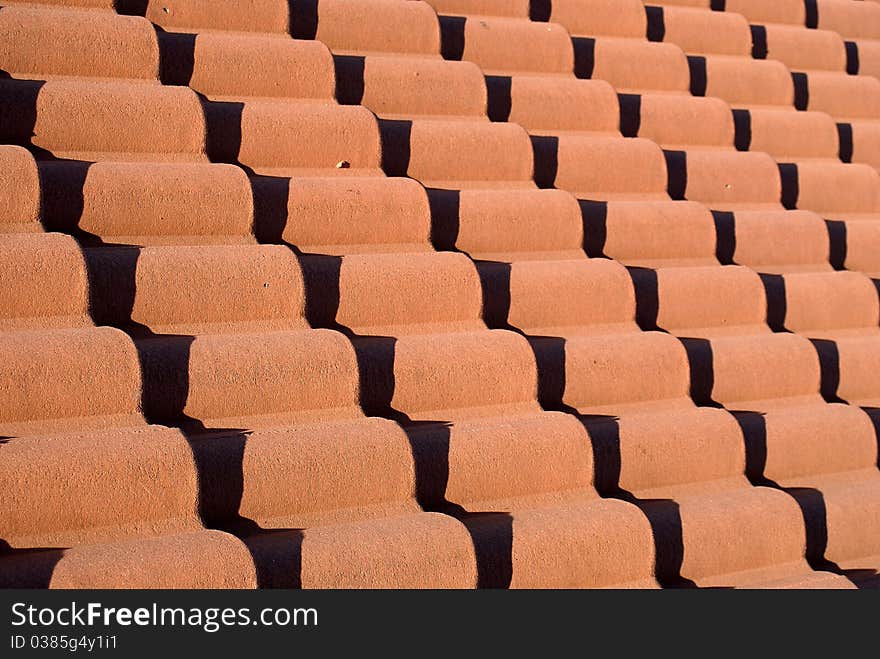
[540,10]
[595,218]
[699,81]
[452,29]
[545,149]
[777,305]
[845,140]
[759,41]
[725,237]
[31,567]
[874,414]
[647,297]
[852,57]
[445,218]
[18,114]
[837,243]
[630,114]
[676,169]
[656,23]
[224,131]
[811,14]
[131,7]
[742,125]
[663,515]
[701,362]
[349,79]
[177,53]
[753,426]
[584,56]
[499,101]
[396,149]
[788,177]
[815,512]
[829,364]
[810,500]
[491,532]
[801,90]
[303,21]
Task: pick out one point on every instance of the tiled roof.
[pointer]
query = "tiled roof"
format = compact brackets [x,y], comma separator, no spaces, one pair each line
[457,293]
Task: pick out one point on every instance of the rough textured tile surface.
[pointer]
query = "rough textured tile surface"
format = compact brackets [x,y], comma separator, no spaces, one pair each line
[440,294]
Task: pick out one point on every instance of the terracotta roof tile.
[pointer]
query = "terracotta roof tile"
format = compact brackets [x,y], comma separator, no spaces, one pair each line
[482,293]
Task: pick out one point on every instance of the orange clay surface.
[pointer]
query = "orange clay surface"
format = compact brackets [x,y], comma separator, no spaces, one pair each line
[444,294]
